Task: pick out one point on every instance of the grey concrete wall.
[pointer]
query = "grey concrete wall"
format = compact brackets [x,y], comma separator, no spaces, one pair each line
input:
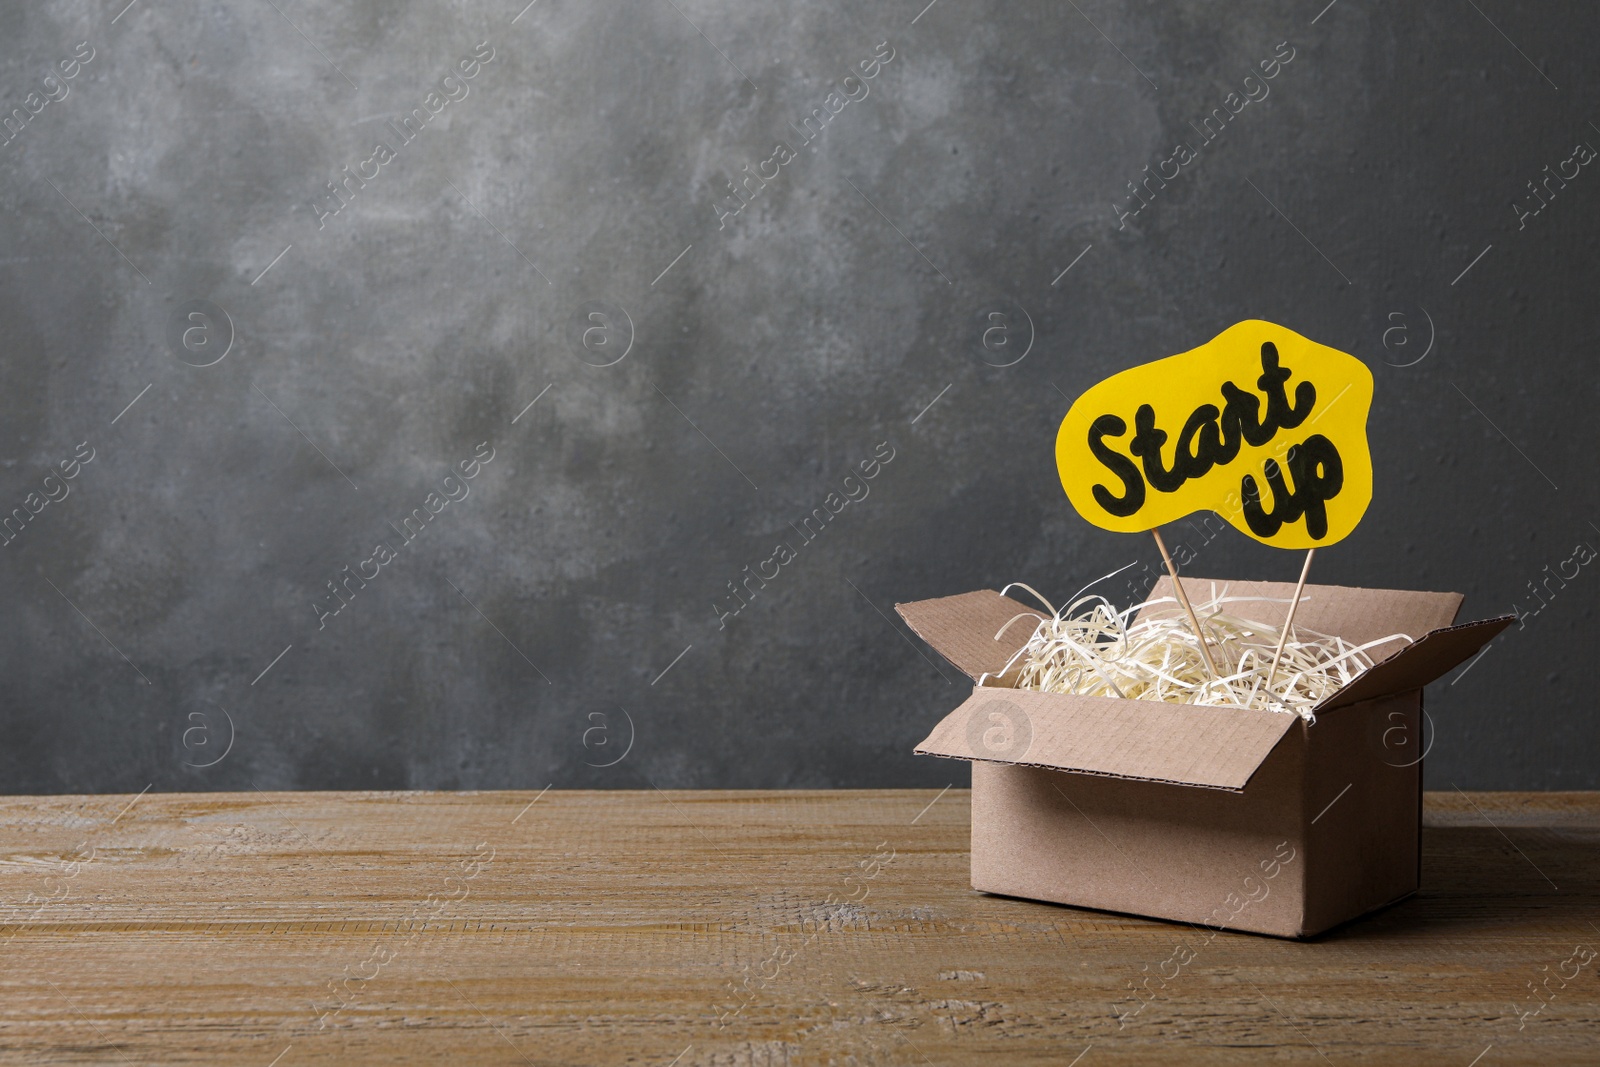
[561,231]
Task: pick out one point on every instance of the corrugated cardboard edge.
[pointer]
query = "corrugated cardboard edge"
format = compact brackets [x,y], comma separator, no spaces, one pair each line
[1204,746]
[1078,770]
[961,628]
[1417,664]
[1355,613]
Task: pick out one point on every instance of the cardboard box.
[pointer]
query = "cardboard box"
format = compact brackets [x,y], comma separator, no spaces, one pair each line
[1224,816]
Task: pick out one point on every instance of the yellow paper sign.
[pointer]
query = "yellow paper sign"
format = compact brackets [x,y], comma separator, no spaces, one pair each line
[1263,426]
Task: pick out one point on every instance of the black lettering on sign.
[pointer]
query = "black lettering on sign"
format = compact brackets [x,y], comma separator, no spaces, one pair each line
[1318,475]
[1132,498]
[1212,436]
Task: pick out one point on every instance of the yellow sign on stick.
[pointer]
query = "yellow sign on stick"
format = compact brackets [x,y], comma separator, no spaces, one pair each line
[1261,425]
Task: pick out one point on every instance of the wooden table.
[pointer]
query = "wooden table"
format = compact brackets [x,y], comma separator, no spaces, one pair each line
[756,928]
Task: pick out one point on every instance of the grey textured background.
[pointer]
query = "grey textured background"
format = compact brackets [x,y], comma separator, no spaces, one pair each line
[503,646]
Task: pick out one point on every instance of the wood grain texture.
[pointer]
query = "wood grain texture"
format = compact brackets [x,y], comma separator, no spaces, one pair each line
[736,928]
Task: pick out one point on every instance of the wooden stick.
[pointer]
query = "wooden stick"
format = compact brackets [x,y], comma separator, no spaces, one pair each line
[1283,638]
[1183,598]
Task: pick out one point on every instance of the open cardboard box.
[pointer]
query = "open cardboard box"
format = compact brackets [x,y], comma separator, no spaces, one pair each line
[1231,817]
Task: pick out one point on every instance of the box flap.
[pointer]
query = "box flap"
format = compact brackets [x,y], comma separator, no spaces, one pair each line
[1362,615]
[962,628]
[1414,666]
[1184,744]
[1357,615]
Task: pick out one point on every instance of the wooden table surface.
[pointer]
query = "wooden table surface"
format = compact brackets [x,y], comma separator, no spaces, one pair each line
[661,928]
